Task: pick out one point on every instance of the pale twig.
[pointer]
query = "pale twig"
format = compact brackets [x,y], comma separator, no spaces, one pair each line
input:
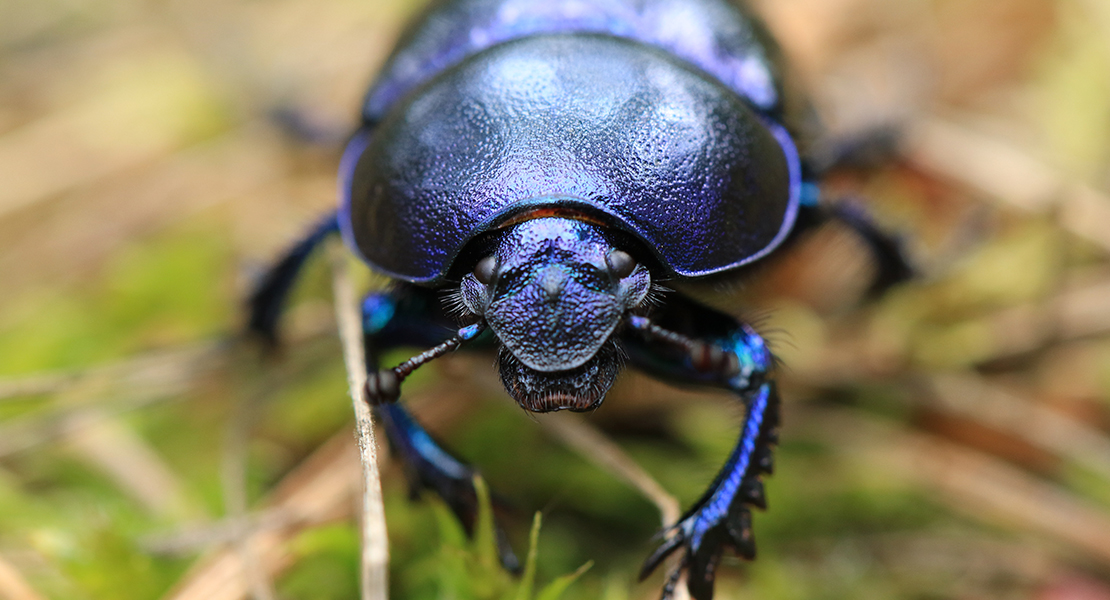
[969,481]
[595,447]
[167,368]
[1041,426]
[1002,170]
[13,586]
[203,536]
[374,569]
[115,449]
[25,433]
[234,476]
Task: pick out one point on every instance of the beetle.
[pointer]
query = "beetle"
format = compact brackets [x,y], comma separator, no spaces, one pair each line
[544,166]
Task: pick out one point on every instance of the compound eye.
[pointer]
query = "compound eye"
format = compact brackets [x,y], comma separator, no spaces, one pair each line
[620,263]
[483,271]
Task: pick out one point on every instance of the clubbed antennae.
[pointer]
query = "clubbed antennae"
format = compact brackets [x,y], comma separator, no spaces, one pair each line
[385,385]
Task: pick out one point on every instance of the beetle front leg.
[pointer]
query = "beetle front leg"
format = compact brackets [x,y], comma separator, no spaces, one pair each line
[411,317]
[267,300]
[886,249]
[736,359]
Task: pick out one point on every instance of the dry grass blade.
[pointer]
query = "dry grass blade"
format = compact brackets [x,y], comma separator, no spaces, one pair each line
[1012,175]
[94,432]
[114,448]
[990,489]
[1079,312]
[19,435]
[164,368]
[34,385]
[593,446]
[226,531]
[234,475]
[972,482]
[374,568]
[1040,425]
[318,490]
[13,586]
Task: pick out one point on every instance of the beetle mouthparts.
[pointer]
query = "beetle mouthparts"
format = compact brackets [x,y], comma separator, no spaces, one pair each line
[578,390]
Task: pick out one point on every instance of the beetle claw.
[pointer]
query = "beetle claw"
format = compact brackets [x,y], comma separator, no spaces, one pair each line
[671,584]
[660,554]
[702,547]
[722,518]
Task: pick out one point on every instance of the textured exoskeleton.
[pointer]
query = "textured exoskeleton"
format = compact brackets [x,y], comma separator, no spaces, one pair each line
[546,162]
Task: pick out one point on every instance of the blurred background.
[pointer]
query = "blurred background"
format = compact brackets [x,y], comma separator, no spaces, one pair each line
[949,440]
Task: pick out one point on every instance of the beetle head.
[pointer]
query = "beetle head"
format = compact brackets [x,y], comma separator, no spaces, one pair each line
[553,292]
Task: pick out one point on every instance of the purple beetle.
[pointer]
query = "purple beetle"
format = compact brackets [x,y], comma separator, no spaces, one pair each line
[546,163]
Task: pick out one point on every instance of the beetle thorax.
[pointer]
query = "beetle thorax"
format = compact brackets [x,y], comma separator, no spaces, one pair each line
[553,293]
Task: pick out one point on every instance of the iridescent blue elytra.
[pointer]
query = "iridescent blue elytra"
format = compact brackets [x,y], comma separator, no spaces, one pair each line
[659,117]
[528,172]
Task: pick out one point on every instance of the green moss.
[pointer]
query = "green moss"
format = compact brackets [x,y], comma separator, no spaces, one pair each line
[159,292]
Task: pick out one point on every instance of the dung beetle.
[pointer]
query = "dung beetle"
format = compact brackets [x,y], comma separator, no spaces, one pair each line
[528,172]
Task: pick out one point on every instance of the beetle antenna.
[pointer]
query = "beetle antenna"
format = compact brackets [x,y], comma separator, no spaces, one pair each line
[385,385]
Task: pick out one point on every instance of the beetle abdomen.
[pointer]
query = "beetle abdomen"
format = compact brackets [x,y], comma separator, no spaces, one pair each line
[599,124]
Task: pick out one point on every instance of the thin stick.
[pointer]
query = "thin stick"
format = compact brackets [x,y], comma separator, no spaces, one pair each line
[13,586]
[173,366]
[974,396]
[234,475]
[1010,174]
[374,569]
[320,489]
[595,447]
[130,462]
[969,481]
